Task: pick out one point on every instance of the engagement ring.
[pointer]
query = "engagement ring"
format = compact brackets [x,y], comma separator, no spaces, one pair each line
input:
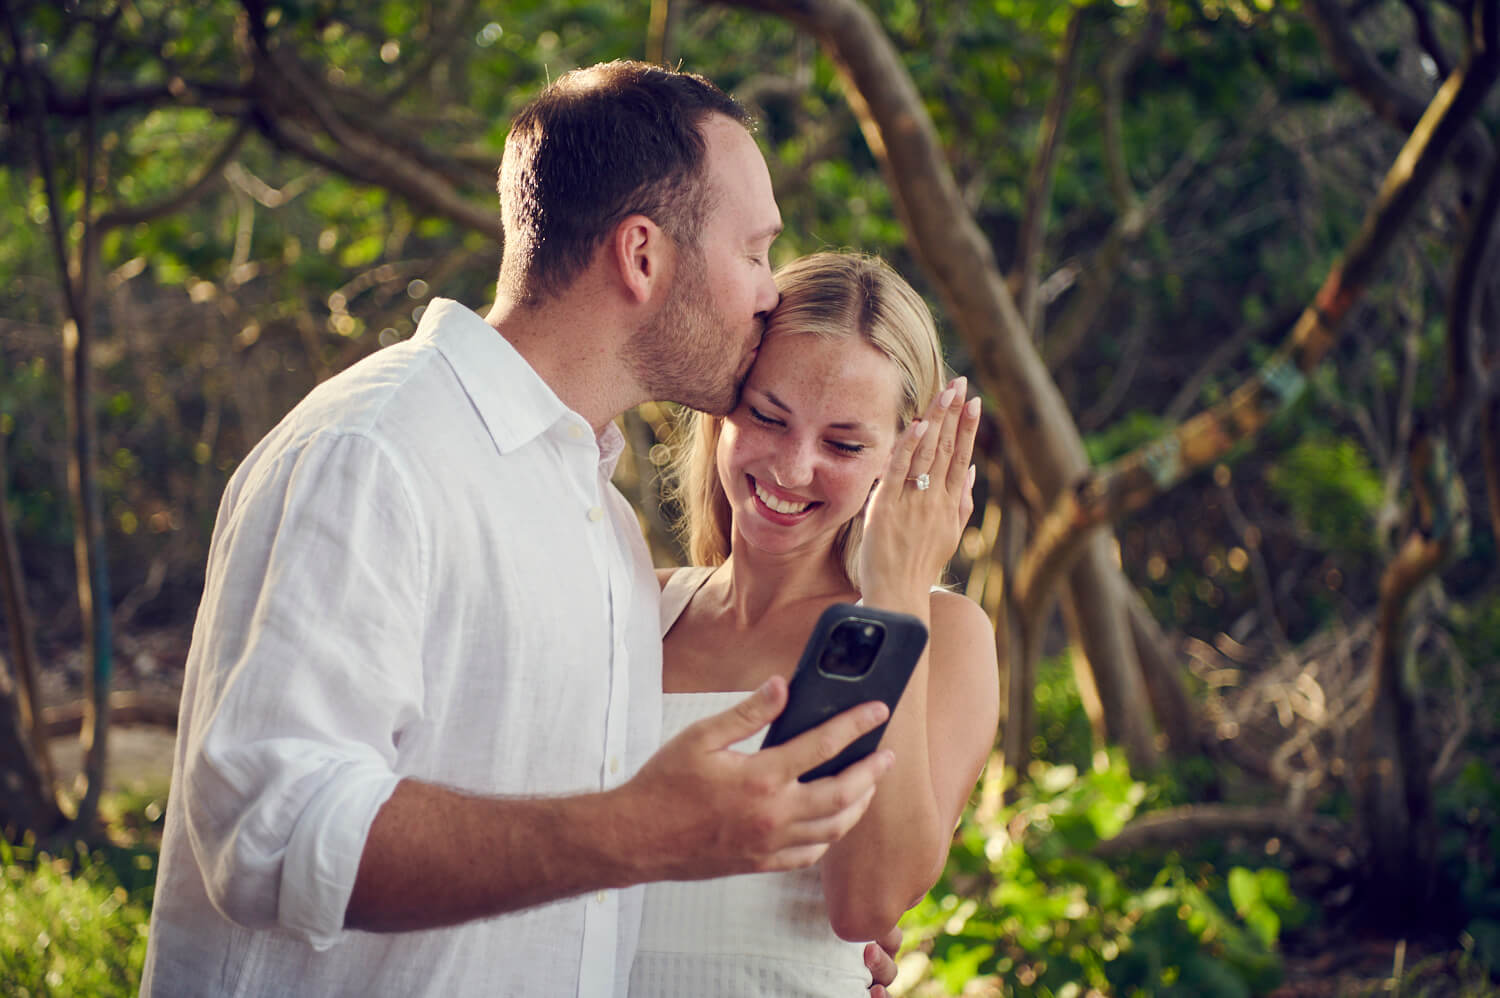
[922,482]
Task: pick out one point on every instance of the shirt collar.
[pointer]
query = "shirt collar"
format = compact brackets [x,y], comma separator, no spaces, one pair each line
[514,402]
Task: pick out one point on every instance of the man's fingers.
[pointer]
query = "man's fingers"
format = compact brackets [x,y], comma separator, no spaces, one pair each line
[745,718]
[814,747]
[821,828]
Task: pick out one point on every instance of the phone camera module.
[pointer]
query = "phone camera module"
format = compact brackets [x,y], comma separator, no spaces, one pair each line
[851,649]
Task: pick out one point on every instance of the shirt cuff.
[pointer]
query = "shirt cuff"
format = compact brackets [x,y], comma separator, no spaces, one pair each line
[323,854]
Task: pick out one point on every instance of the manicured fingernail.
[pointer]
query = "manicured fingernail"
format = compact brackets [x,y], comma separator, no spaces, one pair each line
[946,399]
[972,408]
[919,428]
[973,472]
[962,384]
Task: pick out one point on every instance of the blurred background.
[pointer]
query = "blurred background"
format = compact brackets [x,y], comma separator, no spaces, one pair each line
[1224,271]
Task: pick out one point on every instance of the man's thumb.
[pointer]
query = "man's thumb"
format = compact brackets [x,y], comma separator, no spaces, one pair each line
[749,715]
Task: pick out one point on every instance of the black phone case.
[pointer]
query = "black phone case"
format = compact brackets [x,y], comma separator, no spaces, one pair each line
[813,696]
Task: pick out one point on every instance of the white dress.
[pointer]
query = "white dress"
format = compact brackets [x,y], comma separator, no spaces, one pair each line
[759,934]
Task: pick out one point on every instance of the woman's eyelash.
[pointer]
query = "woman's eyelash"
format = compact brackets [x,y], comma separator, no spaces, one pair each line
[837,445]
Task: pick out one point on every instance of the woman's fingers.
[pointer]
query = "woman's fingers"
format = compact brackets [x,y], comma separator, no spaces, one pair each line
[967,421]
[898,469]
[939,427]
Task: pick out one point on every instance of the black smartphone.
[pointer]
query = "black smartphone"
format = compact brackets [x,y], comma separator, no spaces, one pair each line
[855,654]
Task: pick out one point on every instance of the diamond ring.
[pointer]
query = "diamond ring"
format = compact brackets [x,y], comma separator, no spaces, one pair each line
[922,482]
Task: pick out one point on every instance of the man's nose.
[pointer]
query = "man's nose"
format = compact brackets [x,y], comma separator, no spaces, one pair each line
[767,297]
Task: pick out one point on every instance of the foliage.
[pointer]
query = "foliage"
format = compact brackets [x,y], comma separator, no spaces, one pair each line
[1026,903]
[74,923]
[1469,854]
[1332,490]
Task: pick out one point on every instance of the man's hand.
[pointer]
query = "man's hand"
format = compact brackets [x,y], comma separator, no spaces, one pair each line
[704,810]
[880,960]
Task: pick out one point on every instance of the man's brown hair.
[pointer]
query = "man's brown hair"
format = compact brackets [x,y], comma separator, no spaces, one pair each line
[600,144]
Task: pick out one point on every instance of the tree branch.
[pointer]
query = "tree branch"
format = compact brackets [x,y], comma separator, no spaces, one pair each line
[123,217]
[1468,377]
[1382,92]
[1320,839]
[1039,184]
[1131,481]
[1427,38]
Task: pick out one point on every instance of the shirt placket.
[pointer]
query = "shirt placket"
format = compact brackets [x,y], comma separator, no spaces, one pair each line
[601,917]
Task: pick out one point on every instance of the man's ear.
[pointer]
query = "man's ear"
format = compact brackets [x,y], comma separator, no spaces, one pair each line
[640,251]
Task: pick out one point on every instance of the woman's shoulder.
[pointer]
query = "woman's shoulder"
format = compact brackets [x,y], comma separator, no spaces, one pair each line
[961,627]
[955,610]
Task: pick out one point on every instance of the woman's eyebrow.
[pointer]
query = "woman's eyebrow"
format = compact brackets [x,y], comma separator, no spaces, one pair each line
[855,425]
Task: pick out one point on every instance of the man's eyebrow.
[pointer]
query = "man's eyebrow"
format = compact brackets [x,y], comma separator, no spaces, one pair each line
[769,232]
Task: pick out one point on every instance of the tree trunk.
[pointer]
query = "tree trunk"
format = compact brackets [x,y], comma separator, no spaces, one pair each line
[18,627]
[28,802]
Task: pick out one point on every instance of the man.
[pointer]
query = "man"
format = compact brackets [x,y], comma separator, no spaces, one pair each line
[422,700]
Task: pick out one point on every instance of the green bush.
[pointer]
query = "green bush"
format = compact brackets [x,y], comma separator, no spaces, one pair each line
[1332,490]
[72,924]
[1026,903]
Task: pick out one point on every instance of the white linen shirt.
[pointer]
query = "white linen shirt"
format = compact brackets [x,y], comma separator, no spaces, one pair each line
[422,572]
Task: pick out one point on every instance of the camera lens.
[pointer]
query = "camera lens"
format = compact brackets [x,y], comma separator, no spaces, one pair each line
[852,648]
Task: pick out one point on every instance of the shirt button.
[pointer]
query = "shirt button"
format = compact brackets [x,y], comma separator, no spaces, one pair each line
[575,431]
[596,514]
[614,764]
[601,897]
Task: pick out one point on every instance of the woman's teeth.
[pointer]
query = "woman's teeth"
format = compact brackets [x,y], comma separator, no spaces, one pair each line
[780,505]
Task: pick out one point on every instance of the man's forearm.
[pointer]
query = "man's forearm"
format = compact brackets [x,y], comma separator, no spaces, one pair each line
[436,857]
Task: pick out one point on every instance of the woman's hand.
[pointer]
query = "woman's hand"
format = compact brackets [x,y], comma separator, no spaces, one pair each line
[910,532]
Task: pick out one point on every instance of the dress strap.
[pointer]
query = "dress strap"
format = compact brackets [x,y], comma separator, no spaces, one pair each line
[682,585]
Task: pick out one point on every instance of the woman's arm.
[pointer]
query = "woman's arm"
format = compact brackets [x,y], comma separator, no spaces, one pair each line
[944,725]
[941,733]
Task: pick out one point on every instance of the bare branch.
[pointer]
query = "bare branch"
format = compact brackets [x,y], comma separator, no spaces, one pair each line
[1104,268]
[122,217]
[1129,482]
[1116,70]
[387,169]
[1231,347]
[1382,92]
[1124,373]
[1039,183]
[1319,838]
[439,44]
[1468,378]
[18,629]
[1427,37]
[1490,451]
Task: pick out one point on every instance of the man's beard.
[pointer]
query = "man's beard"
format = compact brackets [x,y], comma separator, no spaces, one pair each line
[687,353]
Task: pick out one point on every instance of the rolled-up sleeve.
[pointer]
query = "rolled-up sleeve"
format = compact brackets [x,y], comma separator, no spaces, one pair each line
[311,637]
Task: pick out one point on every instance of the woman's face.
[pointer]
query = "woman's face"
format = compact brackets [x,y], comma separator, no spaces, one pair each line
[813,431]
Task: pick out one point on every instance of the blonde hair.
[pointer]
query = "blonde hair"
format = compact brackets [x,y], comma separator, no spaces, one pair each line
[831,295]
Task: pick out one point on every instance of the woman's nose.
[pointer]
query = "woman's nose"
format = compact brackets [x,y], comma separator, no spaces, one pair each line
[792,465]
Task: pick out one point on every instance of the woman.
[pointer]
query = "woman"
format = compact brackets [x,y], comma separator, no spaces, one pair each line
[823,486]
